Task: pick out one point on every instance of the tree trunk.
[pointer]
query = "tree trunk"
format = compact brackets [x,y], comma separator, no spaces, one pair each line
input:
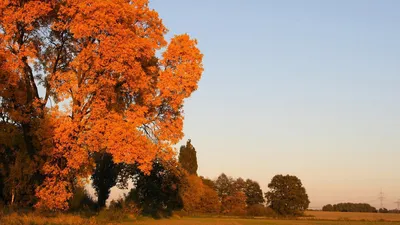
[26,128]
[12,196]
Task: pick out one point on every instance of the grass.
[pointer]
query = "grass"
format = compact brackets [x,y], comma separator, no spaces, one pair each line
[223,221]
[311,218]
[36,219]
[320,215]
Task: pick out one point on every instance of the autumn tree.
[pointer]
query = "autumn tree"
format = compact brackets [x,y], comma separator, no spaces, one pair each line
[287,195]
[105,88]
[234,204]
[197,197]
[207,181]
[231,194]
[209,201]
[104,177]
[188,158]
[191,192]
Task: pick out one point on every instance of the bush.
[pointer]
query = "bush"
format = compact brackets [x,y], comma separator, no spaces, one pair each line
[126,206]
[260,210]
[82,201]
[39,219]
[383,210]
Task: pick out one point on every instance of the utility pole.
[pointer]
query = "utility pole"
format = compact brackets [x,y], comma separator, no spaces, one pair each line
[398,204]
[381,197]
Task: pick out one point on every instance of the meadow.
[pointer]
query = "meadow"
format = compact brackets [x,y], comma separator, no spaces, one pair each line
[353,216]
[235,221]
[310,218]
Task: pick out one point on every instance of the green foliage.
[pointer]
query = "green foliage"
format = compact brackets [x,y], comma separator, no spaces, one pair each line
[157,194]
[253,193]
[188,158]
[287,196]
[349,207]
[104,176]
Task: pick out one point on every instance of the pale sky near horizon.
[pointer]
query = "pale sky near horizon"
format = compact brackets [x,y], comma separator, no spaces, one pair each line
[308,88]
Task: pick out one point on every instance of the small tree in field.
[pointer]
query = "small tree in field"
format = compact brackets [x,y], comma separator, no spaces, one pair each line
[287,196]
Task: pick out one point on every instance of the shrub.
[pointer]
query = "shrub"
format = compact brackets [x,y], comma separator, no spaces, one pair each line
[126,205]
[81,200]
[260,210]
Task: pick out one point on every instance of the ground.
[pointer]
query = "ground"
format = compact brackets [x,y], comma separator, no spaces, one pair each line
[311,218]
[394,217]
[219,221]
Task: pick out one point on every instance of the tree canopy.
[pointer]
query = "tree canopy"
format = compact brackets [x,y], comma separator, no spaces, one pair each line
[349,207]
[254,194]
[105,87]
[287,196]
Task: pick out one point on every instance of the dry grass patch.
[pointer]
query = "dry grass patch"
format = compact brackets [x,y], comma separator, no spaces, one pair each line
[320,215]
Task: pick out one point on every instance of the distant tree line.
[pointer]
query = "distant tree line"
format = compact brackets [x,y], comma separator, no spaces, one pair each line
[173,186]
[349,207]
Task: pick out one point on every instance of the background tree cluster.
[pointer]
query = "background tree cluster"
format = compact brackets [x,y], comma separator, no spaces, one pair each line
[175,186]
[349,207]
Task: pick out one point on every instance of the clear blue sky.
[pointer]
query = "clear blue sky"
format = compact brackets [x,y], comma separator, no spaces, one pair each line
[309,88]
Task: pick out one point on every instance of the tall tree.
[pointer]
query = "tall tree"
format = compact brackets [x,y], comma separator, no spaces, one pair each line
[254,194]
[100,59]
[188,158]
[104,177]
[287,196]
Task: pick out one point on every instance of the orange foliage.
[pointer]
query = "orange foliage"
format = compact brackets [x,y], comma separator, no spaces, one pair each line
[98,57]
[235,204]
[198,197]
